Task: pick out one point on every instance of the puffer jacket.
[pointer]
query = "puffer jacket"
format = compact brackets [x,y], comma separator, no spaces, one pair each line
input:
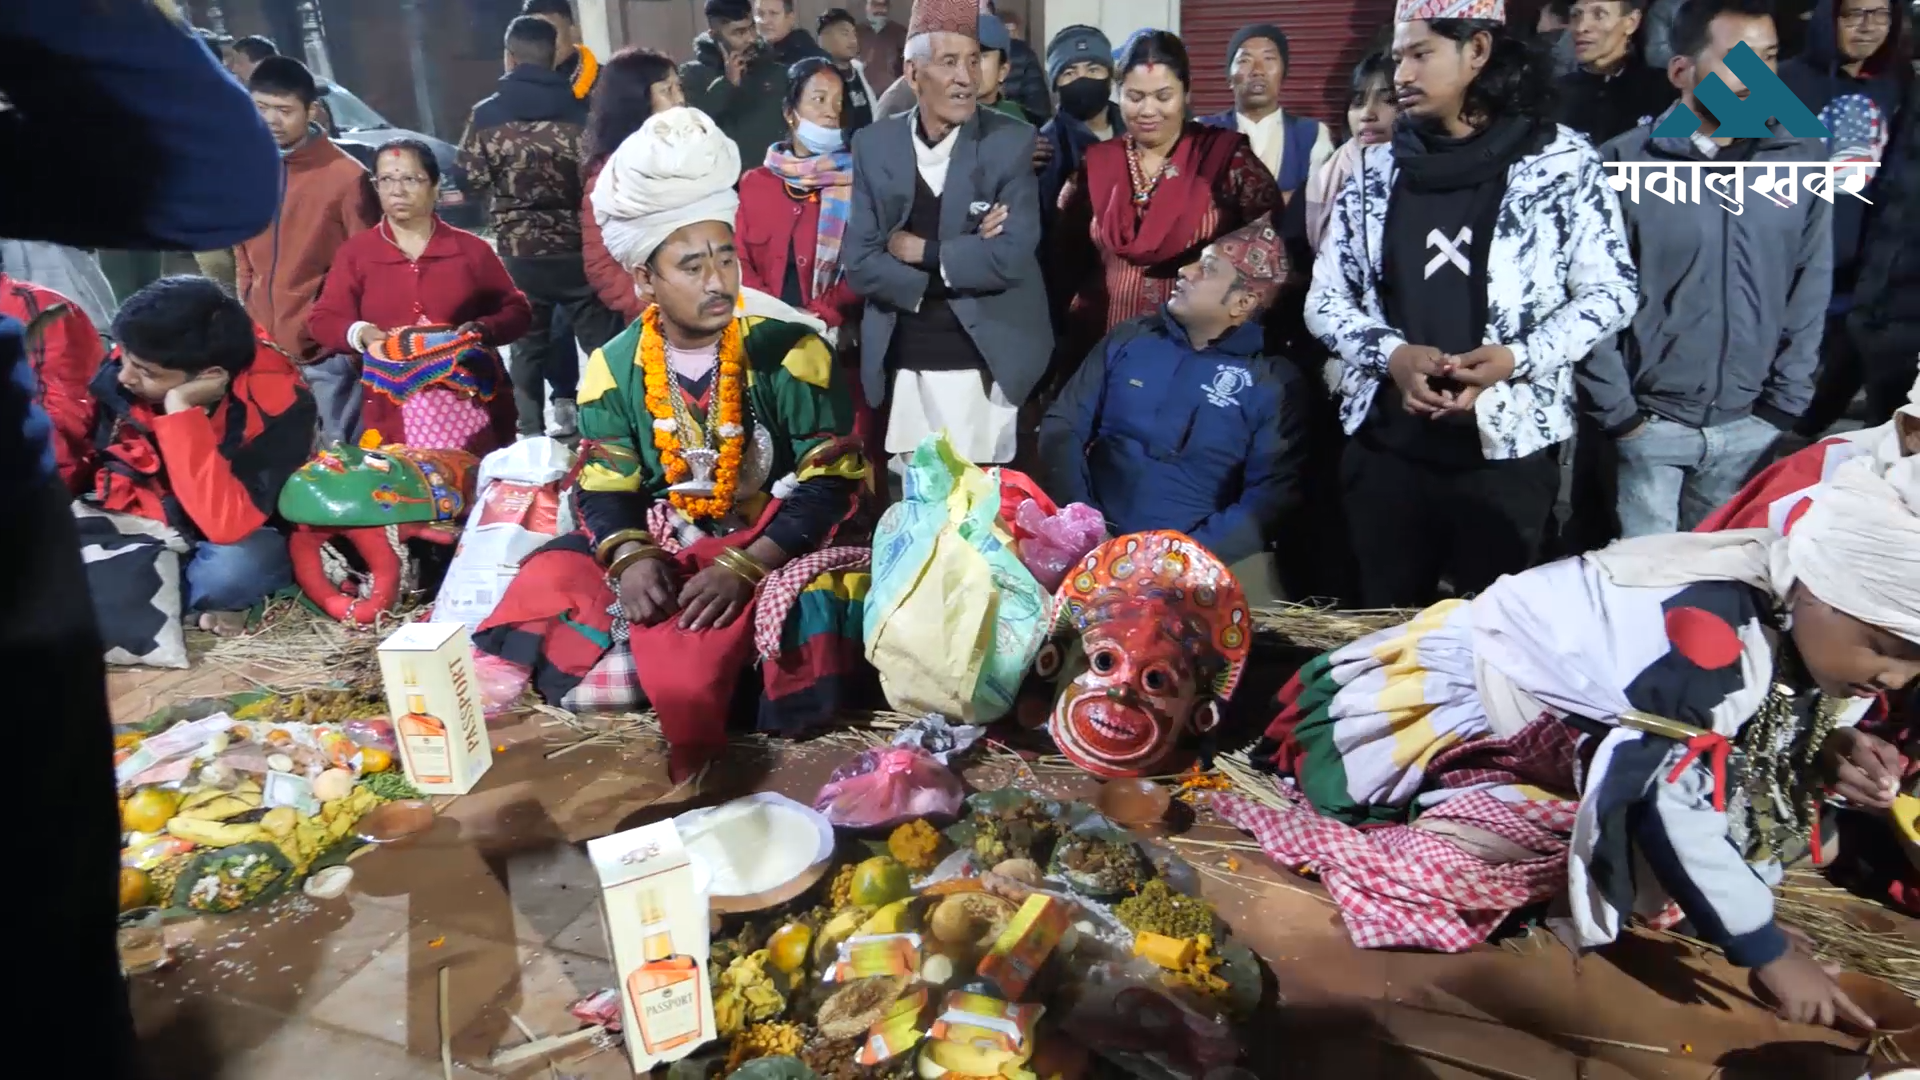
[1561,278]
[752,113]
[522,148]
[1886,314]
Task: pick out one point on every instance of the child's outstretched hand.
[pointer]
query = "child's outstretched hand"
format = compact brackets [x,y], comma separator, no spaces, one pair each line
[1864,768]
[1805,992]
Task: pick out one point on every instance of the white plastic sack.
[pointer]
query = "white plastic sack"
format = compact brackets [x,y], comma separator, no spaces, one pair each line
[518,506]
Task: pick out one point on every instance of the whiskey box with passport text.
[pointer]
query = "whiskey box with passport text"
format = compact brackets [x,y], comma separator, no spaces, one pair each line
[433,698]
[655,915]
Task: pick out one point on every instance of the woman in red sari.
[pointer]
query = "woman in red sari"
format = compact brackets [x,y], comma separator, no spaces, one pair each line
[1145,204]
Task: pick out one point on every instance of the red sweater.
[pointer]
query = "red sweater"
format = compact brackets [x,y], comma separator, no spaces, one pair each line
[213,474]
[327,199]
[770,225]
[457,280]
[608,277]
[64,352]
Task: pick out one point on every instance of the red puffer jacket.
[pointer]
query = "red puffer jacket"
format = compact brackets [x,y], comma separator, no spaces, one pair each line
[64,350]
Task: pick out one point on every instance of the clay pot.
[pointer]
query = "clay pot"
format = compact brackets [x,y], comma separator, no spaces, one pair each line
[395,822]
[1133,803]
[1893,1012]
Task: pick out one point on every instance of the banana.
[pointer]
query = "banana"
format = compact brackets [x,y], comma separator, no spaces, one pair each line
[215,833]
[1906,817]
[888,920]
[826,943]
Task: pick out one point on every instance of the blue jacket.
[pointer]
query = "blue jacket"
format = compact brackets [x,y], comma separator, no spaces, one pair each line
[1158,434]
[125,133]
[1302,132]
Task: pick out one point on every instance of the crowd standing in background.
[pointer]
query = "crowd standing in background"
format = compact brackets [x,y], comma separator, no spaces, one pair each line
[1455,326]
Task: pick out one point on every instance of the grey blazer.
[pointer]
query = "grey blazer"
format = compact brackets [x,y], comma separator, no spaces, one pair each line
[996,287]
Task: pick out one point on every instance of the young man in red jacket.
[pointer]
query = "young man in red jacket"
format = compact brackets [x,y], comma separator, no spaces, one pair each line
[201,420]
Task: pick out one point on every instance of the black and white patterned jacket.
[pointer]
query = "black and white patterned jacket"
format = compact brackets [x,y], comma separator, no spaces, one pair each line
[1561,278]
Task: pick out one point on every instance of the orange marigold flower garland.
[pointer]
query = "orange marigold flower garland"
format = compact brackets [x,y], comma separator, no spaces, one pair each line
[724,421]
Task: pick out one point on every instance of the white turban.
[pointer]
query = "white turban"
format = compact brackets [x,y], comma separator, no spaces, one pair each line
[1857,547]
[677,170]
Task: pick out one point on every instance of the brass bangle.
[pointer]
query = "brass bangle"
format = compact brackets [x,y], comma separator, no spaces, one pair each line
[623,563]
[603,552]
[741,563]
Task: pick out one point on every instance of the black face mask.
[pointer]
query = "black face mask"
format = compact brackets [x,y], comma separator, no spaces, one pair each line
[1084,98]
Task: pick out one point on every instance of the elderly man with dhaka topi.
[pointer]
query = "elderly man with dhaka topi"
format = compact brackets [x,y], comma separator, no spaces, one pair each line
[941,245]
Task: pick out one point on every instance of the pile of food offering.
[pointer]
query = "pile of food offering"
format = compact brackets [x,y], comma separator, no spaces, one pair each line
[1030,940]
[228,802]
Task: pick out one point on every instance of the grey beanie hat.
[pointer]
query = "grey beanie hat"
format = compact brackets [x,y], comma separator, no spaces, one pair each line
[1074,44]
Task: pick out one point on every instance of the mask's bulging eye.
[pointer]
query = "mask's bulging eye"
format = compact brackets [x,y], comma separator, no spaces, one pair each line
[1104,661]
[1157,680]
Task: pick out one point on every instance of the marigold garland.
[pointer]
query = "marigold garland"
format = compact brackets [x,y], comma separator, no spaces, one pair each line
[724,420]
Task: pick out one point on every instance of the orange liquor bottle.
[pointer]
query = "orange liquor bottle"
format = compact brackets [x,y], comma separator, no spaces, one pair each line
[665,989]
[423,737]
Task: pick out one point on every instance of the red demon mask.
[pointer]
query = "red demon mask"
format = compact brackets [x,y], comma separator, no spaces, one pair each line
[1162,631]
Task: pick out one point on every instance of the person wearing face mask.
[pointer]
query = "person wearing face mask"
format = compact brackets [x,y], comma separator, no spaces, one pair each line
[793,208]
[793,212]
[1080,69]
[1141,204]
[883,44]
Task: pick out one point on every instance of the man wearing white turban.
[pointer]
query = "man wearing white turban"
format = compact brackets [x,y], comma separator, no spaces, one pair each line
[1712,682]
[722,492]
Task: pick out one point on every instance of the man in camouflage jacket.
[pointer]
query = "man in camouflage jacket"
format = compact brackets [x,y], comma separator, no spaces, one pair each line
[522,153]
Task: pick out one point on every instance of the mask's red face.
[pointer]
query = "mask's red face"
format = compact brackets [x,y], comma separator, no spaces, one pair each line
[1153,634]
[1126,711]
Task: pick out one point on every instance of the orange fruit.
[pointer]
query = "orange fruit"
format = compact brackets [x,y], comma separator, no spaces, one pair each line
[135,888]
[149,809]
[788,946]
[373,759]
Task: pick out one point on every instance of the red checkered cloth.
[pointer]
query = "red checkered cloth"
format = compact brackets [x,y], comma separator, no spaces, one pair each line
[612,685]
[1403,887]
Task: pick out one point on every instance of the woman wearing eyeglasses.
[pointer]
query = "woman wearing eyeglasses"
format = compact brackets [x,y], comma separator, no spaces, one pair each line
[413,269]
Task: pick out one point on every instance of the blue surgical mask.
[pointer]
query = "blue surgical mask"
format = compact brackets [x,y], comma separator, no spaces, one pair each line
[818,139]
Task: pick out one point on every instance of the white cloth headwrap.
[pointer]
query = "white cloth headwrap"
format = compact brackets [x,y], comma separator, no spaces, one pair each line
[1856,547]
[677,170]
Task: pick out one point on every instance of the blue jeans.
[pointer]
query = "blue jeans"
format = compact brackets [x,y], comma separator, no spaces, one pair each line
[337,396]
[234,577]
[1672,476]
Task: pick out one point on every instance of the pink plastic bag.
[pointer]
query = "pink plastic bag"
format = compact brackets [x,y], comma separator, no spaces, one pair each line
[889,786]
[501,682]
[1057,541]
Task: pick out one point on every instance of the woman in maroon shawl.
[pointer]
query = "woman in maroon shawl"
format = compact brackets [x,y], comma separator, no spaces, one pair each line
[1145,204]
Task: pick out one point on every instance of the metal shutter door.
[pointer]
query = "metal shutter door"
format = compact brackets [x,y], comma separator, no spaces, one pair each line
[1325,38]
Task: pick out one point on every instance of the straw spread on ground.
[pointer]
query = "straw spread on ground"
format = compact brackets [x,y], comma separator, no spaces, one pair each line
[295,648]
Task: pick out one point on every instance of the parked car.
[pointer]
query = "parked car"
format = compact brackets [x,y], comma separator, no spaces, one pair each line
[360,130]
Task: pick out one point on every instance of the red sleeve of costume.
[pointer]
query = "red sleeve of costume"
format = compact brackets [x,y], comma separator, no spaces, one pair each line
[202,479]
[510,313]
[609,278]
[1753,506]
[339,305]
[74,353]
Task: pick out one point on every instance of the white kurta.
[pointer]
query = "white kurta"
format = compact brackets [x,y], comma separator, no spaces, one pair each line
[1269,139]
